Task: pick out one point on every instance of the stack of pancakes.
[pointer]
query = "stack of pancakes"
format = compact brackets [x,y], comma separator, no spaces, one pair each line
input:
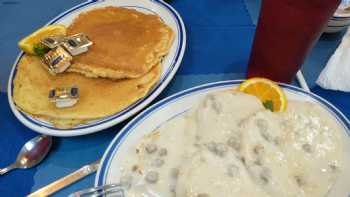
[120,67]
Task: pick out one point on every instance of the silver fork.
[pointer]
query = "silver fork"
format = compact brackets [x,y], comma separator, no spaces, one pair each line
[114,190]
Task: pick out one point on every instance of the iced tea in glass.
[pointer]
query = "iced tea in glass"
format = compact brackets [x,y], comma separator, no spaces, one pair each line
[286,32]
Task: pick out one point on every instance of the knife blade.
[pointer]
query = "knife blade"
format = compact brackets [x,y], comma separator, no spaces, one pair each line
[67,180]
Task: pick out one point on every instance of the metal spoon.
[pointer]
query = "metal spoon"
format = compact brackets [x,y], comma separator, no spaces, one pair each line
[31,153]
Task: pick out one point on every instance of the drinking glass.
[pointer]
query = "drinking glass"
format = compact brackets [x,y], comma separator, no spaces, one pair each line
[286,32]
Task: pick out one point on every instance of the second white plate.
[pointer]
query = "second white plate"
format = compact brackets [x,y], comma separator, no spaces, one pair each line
[168,108]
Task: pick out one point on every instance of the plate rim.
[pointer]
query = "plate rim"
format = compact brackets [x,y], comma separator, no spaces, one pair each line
[109,152]
[104,123]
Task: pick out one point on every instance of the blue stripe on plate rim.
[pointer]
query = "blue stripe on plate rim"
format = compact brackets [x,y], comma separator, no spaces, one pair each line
[122,135]
[340,26]
[340,18]
[180,30]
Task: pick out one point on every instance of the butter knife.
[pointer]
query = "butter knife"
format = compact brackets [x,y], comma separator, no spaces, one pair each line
[67,180]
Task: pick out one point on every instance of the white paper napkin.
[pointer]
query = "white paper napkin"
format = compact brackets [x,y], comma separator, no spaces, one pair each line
[336,74]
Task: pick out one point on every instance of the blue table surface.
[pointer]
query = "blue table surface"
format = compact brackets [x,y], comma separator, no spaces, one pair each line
[220,35]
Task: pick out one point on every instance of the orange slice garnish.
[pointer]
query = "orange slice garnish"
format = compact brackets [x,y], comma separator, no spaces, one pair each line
[268,92]
[28,43]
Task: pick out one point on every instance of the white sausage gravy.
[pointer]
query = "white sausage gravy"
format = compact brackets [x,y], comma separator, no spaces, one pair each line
[229,145]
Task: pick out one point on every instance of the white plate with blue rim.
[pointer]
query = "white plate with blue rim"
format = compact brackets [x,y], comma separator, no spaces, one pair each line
[170,107]
[170,64]
[340,19]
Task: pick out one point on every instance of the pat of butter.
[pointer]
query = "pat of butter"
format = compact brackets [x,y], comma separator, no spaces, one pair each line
[64,97]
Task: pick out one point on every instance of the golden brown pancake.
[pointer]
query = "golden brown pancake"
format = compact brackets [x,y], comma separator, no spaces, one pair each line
[98,97]
[126,43]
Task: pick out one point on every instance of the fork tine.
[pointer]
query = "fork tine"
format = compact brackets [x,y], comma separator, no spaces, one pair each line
[114,189]
[96,189]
